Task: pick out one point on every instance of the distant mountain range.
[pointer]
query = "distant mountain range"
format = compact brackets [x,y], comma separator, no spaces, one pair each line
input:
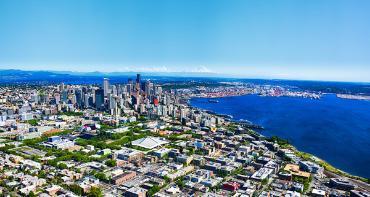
[132,73]
[22,76]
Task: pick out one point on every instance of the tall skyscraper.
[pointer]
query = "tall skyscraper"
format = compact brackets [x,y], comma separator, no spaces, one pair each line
[78,94]
[99,99]
[57,98]
[106,86]
[148,88]
[64,95]
[86,100]
[61,87]
[138,81]
[138,78]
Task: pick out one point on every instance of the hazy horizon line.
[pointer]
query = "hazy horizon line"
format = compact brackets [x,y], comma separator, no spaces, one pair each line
[163,73]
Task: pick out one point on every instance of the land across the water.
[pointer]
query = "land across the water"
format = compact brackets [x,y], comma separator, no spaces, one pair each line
[354,97]
[334,129]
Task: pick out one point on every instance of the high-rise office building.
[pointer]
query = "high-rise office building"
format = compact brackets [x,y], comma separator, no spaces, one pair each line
[57,98]
[61,87]
[99,99]
[138,78]
[79,100]
[148,89]
[129,88]
[138,83]
[64,95]
[113,89]
[106,86]
[86,100]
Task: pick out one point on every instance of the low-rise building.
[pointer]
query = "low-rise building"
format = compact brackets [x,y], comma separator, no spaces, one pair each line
[136,192]
[129,154]
[294,170]
[58,143]
[149,142]
[122,178]
[161,152]
[231,186]
[341,184]
[261,174]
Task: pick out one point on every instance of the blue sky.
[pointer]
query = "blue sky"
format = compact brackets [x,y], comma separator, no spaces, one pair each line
[297,39]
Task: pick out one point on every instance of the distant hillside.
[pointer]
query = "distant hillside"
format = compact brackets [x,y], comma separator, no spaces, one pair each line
[132,73]
[22,76]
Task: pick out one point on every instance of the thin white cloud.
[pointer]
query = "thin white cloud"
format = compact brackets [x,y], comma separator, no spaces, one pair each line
[190,69]
[201,69]
[144,69]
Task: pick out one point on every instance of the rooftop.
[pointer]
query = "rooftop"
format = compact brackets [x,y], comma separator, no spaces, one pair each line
[149,142]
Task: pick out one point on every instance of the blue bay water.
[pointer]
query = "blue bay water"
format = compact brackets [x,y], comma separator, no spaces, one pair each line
[336,130]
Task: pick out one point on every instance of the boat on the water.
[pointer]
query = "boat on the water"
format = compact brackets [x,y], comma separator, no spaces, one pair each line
[213,101]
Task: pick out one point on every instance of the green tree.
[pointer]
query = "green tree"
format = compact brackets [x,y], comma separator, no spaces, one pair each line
[153,190]
[62,166]
[101,176]
[167,179]
[33,122]
[31,194]
[191,151]
[95,192]
[76,189]
[264,181]
[42,174]
[180,182]
[111,163]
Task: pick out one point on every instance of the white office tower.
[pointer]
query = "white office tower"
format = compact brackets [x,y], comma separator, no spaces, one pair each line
[174,112]
[34,97]
[164,111]
[142,108]
[86,100]
[182,114]
[168,100]
[121,103]
[119,89]
[112,101]
[129,88]
[158,90]
[61,87]
[115,111]
[106,86]
[197,118]
[57,98]
[114,90]
[165,100]
[148,88]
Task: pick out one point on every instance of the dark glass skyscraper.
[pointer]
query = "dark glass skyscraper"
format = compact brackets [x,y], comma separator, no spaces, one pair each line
[79,100]
[138,78]
[99,99]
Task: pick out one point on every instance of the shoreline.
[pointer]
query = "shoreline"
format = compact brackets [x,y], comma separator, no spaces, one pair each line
[256,94]
[338,95]
[353,97]
[228,117]
[304,155]
[327,166]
